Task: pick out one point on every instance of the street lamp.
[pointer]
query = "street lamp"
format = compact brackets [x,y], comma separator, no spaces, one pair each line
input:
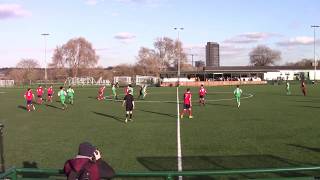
[314,49]
[45,55]
[179,49]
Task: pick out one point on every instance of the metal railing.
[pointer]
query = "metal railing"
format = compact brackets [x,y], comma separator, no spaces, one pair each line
[15,173]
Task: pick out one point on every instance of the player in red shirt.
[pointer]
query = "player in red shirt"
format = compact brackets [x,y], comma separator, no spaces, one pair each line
[187,104]
[50,94]
[202,94]
[101,93]
[39,94]
[126,90]
[29,97]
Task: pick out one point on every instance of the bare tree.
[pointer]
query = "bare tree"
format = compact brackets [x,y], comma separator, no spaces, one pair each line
[76,54]
[28,64]
[264,56]
[26,70]
[123,70]
[164,56]
[303,63]
[169,51]
[148,62]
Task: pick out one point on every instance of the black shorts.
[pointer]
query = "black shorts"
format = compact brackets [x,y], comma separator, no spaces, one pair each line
[201,96]
[39,96]
[29,102]
[186,106]
[129,108]
[49,95]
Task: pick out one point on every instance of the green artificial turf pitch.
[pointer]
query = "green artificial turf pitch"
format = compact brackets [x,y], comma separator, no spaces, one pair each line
[270,129]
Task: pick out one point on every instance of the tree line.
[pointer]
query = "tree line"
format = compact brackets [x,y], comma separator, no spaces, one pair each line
[78,58]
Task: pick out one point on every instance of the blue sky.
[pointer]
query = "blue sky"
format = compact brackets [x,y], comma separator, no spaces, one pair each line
[118,28]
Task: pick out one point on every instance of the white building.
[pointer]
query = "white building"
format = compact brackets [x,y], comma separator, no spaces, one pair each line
[248,72]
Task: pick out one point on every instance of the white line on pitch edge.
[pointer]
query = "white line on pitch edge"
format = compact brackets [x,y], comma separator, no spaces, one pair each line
[179,136]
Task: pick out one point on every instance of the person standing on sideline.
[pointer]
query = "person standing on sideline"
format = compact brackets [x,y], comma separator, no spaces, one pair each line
[128,102]
[29,97]
[288,88]
[39,94]
[187,104]
[70,93]
[237,93]
[88,164]
[62,94]
[303,88]
[202,94]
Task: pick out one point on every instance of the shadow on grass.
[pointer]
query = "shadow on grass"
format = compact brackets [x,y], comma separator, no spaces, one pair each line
[211,163]
[222,105]
[305,147]
[91,97]
[22,107]
[158,113]
[306,101]
[308,106]
[110,116]
[52,106]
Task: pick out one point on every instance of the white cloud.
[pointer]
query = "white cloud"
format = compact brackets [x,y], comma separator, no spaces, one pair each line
[230,50]
[250,37]
[91,2]
[124,35]
[150,3]
[297,41]
[115,14]
[194,47]
[12,11]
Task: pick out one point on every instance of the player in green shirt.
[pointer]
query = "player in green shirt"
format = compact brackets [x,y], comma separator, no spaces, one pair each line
[288,88]
[70,93]
[62,94]
[144,91]
[237,93]
[114,92]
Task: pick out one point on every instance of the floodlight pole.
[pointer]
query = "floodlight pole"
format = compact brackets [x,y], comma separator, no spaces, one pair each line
[314,50]
[45,56]
[179,49]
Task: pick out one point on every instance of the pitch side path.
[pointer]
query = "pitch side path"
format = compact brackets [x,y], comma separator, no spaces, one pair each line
[269,130]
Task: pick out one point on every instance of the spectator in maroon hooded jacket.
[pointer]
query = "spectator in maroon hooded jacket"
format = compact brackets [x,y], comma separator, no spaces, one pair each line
[88,165]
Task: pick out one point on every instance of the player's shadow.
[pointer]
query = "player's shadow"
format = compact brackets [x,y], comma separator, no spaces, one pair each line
[52,106]
[308,106]
[212,163]
[22,107]
[91,97]
[306,101]
[219,104]
[110,116]
[305,147]
[158,113]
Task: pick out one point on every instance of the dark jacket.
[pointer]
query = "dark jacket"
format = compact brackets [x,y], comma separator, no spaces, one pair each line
[97,170]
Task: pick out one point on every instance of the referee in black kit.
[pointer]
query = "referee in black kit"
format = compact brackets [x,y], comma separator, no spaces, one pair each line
[129,102]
